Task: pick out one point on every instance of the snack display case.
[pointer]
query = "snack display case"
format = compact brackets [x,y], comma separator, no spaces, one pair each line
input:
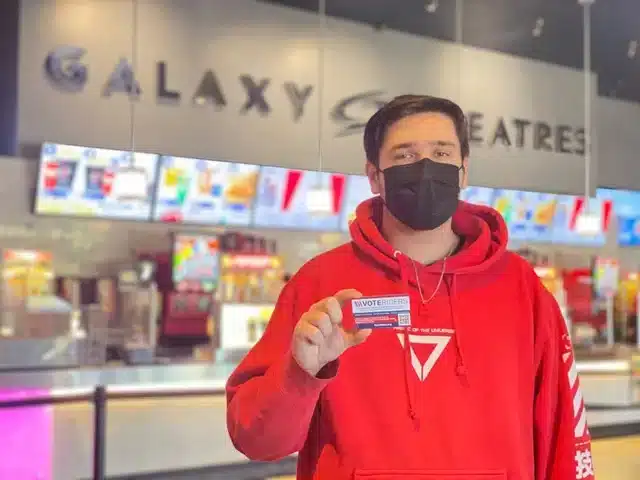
[36,326]
[252,278]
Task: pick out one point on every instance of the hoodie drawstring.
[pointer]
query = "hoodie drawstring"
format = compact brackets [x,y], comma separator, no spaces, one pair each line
[404,280]
[461,369]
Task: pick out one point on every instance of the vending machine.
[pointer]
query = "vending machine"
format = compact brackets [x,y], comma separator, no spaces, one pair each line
[188,279]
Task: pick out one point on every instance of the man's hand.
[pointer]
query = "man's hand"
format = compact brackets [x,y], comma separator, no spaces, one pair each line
[319,337]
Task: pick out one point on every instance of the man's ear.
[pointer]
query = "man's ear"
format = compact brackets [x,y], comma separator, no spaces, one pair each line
[464,173]
[374,178]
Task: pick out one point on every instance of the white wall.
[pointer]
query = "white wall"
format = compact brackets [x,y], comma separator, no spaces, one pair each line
[247,37]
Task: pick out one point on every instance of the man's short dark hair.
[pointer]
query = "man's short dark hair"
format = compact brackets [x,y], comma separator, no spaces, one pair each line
[404,106]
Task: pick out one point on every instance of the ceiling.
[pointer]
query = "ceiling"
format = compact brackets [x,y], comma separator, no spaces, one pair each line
[547,30]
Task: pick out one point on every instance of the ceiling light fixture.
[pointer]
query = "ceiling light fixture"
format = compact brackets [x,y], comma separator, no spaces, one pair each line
[632,49]
[431,6]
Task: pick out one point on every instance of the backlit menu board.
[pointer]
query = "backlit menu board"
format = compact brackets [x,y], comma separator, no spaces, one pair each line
[568,210]
[358,190]
[477,195]
[205,192]
[281,200]
[528,215]
[94,182]
[626,208]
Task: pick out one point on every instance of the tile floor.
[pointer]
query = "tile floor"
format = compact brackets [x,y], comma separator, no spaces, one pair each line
[617,459]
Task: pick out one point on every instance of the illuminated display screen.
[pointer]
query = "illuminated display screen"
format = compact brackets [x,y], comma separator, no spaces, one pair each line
[281,200]
[205,192]
[94,182]
[626,208]
[196,258]
[358,190]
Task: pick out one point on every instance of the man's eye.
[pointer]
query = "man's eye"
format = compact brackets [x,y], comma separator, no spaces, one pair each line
[441,154]
[404,156]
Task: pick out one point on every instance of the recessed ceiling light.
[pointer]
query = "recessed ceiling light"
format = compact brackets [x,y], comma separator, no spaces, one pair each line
[431,6]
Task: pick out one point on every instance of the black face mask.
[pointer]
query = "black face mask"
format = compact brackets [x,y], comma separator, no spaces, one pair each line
[422,195]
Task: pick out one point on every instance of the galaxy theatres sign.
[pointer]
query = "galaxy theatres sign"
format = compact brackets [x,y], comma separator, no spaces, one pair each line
[66,69]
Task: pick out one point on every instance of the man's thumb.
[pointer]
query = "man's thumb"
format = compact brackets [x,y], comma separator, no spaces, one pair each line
[359,336]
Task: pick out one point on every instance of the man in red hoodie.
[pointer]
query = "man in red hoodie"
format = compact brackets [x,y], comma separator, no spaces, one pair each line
[480,383]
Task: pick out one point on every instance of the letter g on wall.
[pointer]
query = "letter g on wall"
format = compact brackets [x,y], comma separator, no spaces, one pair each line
[64,69]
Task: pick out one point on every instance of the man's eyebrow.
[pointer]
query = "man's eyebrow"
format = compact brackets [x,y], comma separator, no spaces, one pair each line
[438,143]
[401,146]
[444,143]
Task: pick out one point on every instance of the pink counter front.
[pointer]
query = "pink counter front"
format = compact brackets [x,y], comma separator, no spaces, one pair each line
[26,441]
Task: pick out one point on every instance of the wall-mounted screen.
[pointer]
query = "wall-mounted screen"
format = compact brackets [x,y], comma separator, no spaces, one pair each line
[358,190]
[281,200]
[528,215]
[205,192]
[626,208]
[477,195]
[540,217]
[565,222]
[95,182]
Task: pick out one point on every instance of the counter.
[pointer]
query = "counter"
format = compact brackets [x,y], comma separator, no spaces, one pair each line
[604,382]
[210,377]
[612,381]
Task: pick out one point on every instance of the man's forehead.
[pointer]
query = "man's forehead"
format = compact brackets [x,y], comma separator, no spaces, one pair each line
[423,127]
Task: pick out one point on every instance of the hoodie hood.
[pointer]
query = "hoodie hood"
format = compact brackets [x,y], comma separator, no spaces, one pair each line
[482,228]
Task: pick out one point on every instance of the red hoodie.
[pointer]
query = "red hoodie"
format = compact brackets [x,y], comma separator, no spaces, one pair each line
[482,386]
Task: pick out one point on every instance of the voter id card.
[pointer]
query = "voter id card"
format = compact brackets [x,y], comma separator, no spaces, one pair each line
[387,311]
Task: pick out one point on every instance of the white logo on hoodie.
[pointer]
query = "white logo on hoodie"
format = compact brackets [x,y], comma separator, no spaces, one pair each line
[440,343]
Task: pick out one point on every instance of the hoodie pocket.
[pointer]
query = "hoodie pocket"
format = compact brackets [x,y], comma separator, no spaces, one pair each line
[430,475]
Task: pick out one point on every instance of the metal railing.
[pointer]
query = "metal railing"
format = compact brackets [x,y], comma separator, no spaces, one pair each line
[100,395]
